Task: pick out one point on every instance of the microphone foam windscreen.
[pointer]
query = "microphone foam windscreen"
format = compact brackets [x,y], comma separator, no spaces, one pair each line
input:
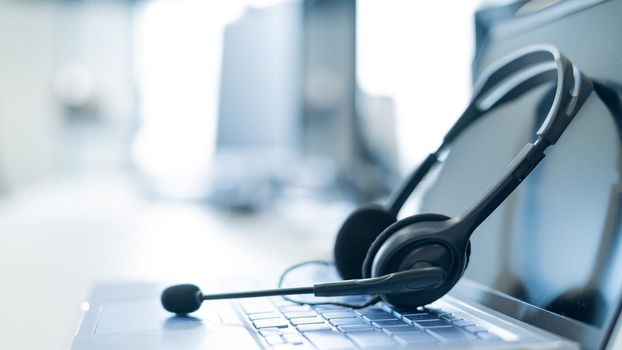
[182,298]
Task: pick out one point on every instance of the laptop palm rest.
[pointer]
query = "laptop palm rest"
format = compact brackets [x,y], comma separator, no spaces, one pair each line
[142,324]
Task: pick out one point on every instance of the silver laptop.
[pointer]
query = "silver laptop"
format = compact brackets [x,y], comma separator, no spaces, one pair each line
[544,272]
[130,317]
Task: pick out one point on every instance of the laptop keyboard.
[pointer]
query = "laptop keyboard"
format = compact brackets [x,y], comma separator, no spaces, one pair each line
[285,325]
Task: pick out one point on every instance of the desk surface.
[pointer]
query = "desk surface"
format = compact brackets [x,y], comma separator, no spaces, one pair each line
[59,238]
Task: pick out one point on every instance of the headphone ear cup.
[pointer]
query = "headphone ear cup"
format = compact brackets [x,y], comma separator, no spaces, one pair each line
[356,235]
[377,243]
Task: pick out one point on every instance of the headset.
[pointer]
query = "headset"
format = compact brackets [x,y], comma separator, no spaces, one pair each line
[416,260]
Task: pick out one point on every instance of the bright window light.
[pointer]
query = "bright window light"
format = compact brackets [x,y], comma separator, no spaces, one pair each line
[177,60]
[419,53]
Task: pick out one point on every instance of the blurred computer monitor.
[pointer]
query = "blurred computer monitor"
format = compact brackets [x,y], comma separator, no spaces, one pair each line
[260,84]
[287,105]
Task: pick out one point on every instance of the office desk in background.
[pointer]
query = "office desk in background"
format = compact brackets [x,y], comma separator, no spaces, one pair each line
[59,238]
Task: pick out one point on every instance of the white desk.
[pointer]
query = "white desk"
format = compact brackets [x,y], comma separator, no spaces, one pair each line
[59,238]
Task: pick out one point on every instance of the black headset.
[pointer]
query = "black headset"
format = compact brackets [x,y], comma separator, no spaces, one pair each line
[372,242]
[417,260]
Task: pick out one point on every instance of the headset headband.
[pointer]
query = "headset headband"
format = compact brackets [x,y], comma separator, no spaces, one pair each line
[505,81]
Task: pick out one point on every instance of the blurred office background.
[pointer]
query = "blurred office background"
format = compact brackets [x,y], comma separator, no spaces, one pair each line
[130,128]
[195,99]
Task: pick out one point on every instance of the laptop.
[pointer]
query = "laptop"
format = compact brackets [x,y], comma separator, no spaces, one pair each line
[129,316]
[544,270]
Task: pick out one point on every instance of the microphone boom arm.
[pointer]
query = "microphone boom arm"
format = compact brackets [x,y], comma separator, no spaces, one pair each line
[398,282]
[258,293]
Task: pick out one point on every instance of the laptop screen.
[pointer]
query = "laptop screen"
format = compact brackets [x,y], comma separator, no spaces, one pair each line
[555,244]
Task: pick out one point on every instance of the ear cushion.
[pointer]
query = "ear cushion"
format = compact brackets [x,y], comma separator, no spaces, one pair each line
[356,235]
[377,243]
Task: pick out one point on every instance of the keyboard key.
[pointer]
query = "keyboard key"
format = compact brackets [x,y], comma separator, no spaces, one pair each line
[355,328]
[329,340]
[407,338]
[371,339]
[420,317]
[342,321]
[448,334]
[271,323]
[293,314]
[263,316]
[306,320]
[322,308]
[379,318]
[463,323]
[372,311]
[338,314]
[400,329]
[475,329]
[274,339]
[433,323]
[389,323]
[312,327]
